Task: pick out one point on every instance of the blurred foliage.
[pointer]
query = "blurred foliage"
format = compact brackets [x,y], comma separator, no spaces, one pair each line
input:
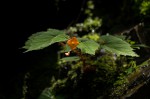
[104,75]
[145,7]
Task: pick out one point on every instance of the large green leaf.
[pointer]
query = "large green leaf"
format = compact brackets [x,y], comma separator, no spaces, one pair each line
[117,45]
[88,46]
[44,39]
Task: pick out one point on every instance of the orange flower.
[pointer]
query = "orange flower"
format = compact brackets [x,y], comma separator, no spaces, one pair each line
[72,43]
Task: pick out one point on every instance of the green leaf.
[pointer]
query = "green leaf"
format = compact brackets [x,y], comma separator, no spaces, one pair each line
[46,94]
[66,48]
[145,63]
[117,45]
[140,45]
[88,46]
[70,59]
[44,39]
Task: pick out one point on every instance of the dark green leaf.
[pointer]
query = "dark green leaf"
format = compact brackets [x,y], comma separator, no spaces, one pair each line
[70,59]
[44,39]
[46,94]
[117,45]
[88,46]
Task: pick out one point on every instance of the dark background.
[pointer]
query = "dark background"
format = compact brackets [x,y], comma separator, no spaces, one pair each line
[20,19]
